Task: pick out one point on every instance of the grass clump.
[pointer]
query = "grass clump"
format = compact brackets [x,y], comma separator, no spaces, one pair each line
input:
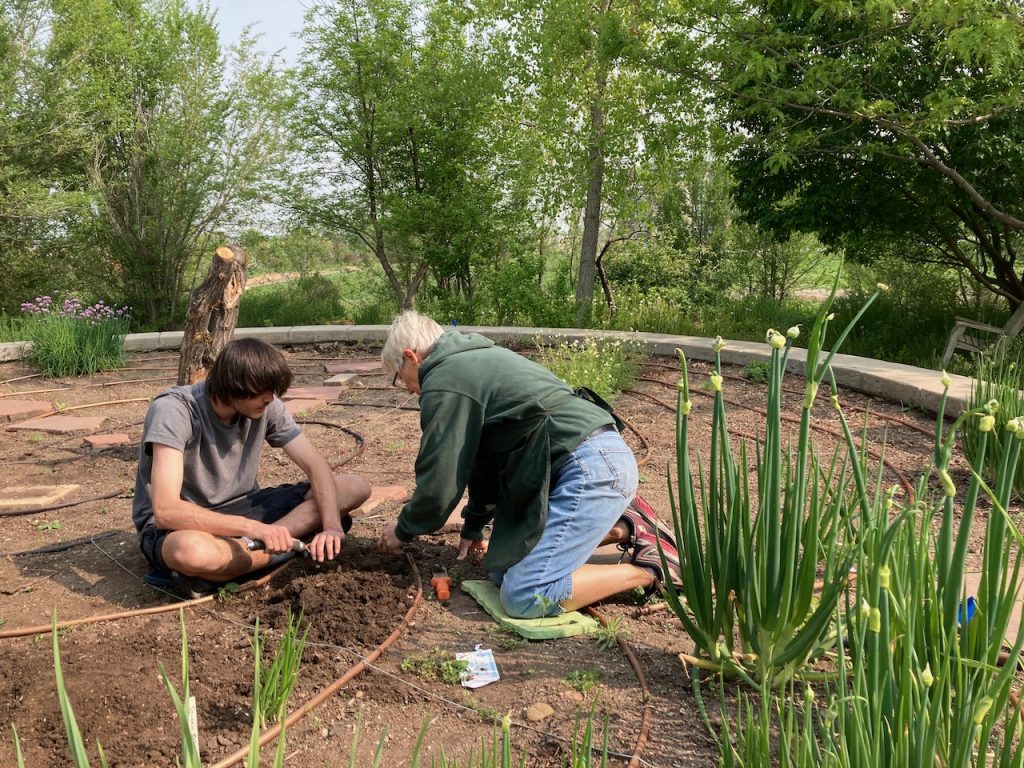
[435,666]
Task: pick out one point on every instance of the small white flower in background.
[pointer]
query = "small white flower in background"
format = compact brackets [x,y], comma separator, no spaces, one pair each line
[717,344]
[883,287]
[793,332]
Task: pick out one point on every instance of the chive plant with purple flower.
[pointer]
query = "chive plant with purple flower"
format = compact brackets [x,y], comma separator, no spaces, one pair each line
[70,338]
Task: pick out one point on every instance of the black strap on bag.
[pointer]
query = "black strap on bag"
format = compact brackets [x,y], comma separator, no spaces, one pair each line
[591,396]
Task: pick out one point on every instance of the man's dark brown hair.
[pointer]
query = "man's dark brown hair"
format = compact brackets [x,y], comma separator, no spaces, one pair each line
[246,368]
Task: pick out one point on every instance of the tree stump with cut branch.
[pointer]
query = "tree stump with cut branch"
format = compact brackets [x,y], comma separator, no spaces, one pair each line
[212,313]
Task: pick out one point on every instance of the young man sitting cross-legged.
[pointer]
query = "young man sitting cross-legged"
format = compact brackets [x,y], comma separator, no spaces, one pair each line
[198,506]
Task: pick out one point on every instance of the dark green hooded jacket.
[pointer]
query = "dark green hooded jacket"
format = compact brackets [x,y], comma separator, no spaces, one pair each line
[498,423]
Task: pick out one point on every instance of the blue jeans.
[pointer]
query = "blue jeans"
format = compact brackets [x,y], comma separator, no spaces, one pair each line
[587,496]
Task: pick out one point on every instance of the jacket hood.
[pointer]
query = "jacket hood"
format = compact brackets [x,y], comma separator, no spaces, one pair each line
[452,343]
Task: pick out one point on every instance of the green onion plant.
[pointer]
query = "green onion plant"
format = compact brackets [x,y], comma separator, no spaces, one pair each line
[914,670]
[750,564]
[276,679]
[189,748]
[999,379]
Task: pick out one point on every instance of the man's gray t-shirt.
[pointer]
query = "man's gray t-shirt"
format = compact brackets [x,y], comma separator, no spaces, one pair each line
[221,460]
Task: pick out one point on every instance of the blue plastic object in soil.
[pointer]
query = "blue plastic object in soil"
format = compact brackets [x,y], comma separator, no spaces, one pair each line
[966,612]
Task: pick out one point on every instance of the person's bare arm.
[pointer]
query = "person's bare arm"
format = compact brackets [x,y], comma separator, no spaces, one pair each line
[173,513]
[326,544]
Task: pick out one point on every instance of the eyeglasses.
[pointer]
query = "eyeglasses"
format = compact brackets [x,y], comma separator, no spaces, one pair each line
[398,370]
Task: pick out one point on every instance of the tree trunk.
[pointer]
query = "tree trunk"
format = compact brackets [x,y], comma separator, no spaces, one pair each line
[212,313]
[592,211]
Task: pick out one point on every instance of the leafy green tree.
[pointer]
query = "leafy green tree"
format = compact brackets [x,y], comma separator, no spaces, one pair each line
[39,148]
[178,147]
[881,123]
[588,78]
[394,122]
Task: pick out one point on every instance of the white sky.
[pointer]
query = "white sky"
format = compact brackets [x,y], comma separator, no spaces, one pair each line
[277,21]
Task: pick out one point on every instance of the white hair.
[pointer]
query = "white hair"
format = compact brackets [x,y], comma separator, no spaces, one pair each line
[410,330]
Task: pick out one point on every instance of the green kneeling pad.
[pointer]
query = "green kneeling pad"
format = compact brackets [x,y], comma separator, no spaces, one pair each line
[567,624]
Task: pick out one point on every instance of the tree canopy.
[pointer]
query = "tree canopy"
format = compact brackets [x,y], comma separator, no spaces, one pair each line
[881,123]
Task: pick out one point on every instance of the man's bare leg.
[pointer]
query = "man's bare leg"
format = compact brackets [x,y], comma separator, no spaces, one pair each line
[217,558]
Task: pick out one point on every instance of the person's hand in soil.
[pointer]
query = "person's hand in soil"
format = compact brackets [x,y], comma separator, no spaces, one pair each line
[389,542]
[468,546]
[326,545]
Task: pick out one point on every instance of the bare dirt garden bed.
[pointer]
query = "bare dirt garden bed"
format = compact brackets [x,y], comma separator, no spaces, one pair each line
[353,605]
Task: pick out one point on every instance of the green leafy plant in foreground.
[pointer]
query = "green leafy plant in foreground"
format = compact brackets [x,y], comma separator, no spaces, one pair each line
[750,563]
[583,680]
[76,743]
[276,679]
[921,674]
[999,378]
[183,702]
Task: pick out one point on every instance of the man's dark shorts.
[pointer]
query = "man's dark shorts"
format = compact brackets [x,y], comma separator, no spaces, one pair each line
[268,505]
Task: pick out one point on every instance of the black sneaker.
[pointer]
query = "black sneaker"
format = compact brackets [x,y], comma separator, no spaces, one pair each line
[193,587]
[159,578]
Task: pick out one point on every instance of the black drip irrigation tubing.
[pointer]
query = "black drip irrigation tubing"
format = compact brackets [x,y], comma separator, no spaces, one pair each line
[64,545]
[360,447]
[785,417]
[62,505]
[360,440]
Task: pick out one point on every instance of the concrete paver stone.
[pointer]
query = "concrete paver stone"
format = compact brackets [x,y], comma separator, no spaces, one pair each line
[10,409]
[62,423]
[356,367]
[299,407]
[99,442]
[34,495]
[340,379]
[381,494]
[330,394]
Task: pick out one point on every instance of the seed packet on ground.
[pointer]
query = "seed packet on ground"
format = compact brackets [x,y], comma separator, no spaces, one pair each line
[482,667]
